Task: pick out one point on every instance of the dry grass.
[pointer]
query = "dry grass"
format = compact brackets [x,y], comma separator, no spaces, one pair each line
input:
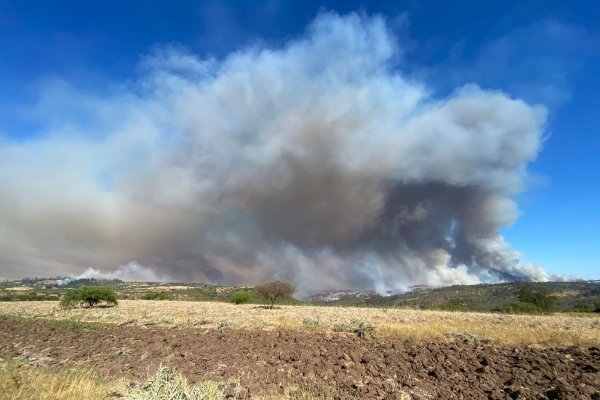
[21,381]
[412,324]
[19,289]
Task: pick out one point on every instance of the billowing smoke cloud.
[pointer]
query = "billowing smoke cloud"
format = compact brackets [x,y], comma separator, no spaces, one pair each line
[317,162]
[131,271]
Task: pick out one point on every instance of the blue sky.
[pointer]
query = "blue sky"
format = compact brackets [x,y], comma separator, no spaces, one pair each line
[545,52]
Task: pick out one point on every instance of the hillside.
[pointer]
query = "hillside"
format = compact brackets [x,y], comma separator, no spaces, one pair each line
[583,296]
[569,296]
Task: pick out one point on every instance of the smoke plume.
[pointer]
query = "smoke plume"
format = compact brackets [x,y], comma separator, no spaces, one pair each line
[317,162]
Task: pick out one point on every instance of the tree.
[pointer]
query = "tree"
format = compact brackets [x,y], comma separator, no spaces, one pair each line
[240,297]
[273,291]
[539,297]
[89,297]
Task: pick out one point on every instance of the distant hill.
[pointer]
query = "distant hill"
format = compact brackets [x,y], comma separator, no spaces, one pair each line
[569,296]
[40,289]
[580,296]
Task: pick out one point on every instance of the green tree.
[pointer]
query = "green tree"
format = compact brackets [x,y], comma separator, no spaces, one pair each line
[537,296]
[275,290]
[89,297]
[240,297]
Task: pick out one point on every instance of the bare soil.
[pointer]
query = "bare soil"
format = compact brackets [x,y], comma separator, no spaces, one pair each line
[340,366]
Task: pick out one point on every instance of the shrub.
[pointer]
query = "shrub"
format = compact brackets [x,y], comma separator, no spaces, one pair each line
[581,308]
[597,307]
[168,384]
[202,293]
[453,307]
[363,330]
[539,297]
[311,323]
[89,297]
[156,296]
[519,307]
[469,338]
[275,290]
[240,297]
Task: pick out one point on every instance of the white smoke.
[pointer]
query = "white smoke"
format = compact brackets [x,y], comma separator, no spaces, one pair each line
[131,271]
[317,162]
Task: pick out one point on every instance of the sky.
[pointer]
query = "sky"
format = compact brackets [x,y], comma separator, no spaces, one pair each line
[69,70]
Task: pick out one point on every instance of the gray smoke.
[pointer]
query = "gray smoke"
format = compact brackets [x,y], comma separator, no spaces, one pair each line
[317,162]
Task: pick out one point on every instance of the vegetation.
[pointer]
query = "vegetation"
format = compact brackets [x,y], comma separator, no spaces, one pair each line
[562,330]
[538,296]
[276,290]
[160,295]
[240,297]
[89,297]
[29,297]
[567,296]
[452,306]
[519,307]
[531,300]
[20,380]
[480,298]
[169,384]
[362,329]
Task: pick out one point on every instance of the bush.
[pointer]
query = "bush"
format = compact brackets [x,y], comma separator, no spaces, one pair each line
[89,297]
[169,384]
[597,307]
[453,307]
[240,297]
[273,291]
[156,296]
[539,297]
[519,307]
[581,308]
[362,329]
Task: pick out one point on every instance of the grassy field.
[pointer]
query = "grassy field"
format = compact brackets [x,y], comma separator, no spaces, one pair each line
[21,381]
[28,378]
[561,329]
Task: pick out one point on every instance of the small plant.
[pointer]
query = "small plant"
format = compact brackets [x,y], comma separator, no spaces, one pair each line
[469,338]
[89,297]
[273,291]
[223,324]
[363,330]
[169,384]
[123,351]
[311,323]
[36,359]
[240,297]
[73,325]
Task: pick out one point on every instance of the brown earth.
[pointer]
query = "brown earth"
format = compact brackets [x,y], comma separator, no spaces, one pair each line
[340,366]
